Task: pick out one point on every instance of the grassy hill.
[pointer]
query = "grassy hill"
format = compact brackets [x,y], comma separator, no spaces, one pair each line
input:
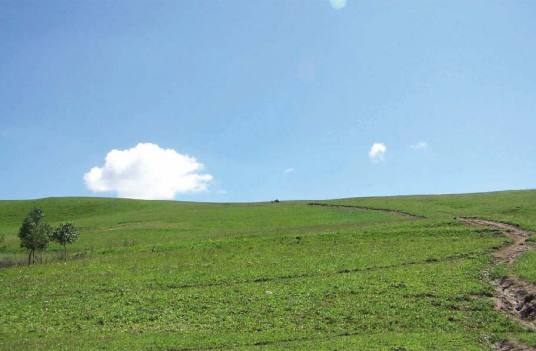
[164,275]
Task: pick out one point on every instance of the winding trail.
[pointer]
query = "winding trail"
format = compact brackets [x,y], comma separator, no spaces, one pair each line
[358,207]
[514,296]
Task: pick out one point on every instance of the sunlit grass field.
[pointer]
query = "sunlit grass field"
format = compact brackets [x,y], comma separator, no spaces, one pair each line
[163,275]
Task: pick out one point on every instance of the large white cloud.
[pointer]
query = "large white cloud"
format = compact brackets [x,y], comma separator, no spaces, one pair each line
[147,171]
[377,152]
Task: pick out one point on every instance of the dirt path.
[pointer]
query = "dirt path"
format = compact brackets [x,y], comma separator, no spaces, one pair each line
[396,212]
[514,296]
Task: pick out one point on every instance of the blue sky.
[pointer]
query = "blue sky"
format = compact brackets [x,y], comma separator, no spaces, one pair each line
[276,99]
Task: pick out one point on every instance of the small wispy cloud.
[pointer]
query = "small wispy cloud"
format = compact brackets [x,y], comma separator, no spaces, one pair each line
[338,4]
[288,170]
[377,152]
[419,146]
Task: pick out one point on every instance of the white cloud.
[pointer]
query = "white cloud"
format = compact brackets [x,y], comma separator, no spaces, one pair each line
[338,4]
[419,146]
[377,152]
[147,171]
[288,170]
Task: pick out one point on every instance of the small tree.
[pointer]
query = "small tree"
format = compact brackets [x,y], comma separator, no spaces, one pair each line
[65,233]
[41,238]
[34,233]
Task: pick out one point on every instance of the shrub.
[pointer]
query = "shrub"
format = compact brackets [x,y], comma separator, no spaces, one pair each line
[34,233]
[65,233]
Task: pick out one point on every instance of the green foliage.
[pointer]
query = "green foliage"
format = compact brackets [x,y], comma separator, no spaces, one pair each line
[65,233]
[28,229]
[41,237]
[34,234]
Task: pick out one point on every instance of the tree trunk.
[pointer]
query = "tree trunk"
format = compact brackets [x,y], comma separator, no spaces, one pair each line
[29,257]
[65,252]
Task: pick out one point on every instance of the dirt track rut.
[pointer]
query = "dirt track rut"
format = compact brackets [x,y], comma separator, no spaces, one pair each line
[358,207]
[514,296]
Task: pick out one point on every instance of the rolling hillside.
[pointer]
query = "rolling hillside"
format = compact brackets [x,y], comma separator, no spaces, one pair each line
[394,273]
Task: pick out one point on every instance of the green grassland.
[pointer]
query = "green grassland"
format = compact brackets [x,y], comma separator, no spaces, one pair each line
[164,275]
[516,207]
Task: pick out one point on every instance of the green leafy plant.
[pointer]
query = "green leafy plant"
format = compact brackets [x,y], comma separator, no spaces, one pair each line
[34,233]
[65,233]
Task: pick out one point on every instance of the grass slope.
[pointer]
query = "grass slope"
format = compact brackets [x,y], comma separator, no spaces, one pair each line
[160,275]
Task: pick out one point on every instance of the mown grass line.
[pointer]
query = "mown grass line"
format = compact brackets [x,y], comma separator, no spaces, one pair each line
[429,261]
[285,342]
[267,342]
